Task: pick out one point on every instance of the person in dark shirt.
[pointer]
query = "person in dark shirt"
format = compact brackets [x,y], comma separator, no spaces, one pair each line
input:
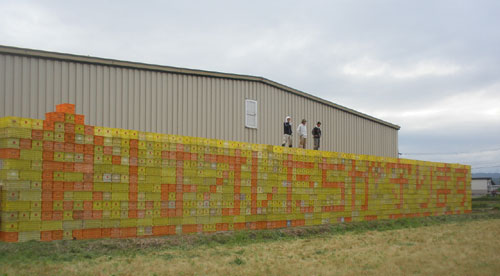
[287,132]
[316,132]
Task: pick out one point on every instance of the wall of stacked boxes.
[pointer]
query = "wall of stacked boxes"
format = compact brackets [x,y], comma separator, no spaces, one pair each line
[62,179]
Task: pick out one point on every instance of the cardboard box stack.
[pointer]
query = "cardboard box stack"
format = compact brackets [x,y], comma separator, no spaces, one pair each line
[62,179]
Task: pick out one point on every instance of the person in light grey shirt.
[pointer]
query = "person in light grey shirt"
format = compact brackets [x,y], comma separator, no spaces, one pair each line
[302,131]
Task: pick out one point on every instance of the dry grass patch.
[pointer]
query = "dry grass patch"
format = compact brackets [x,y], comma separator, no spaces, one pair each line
[461,248]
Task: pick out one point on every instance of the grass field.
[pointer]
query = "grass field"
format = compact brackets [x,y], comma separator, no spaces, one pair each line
[482,204]
[447,245]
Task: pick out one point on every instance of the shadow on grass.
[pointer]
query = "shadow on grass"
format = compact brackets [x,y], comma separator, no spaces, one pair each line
[67,251]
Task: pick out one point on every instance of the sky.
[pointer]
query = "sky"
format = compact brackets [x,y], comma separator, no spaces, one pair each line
[431,67]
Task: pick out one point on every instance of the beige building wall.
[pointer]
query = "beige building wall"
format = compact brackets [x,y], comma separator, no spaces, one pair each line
[179,101]
[480,187]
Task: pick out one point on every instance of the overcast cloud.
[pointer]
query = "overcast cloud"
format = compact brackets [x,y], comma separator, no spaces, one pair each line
[432,67]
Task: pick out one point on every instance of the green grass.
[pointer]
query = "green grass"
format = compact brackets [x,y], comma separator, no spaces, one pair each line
[237,261]
[480,205]
[486,203]
[487,198]
[69,251]
[236,251]
[450,247]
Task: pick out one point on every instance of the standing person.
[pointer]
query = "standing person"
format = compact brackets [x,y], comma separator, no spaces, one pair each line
[302,130]
[287,132]
[316,135]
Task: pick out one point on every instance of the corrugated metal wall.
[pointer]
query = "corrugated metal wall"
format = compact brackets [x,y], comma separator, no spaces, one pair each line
[179,104]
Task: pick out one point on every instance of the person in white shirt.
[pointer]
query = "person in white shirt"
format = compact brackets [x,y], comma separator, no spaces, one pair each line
[302,131]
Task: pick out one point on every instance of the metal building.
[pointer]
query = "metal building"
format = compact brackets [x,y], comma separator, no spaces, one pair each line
[171,100]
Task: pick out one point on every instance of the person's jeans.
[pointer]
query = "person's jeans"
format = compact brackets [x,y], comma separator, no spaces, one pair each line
[316,143]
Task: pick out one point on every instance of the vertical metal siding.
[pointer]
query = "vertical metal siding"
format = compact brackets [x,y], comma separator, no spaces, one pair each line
[179,104]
